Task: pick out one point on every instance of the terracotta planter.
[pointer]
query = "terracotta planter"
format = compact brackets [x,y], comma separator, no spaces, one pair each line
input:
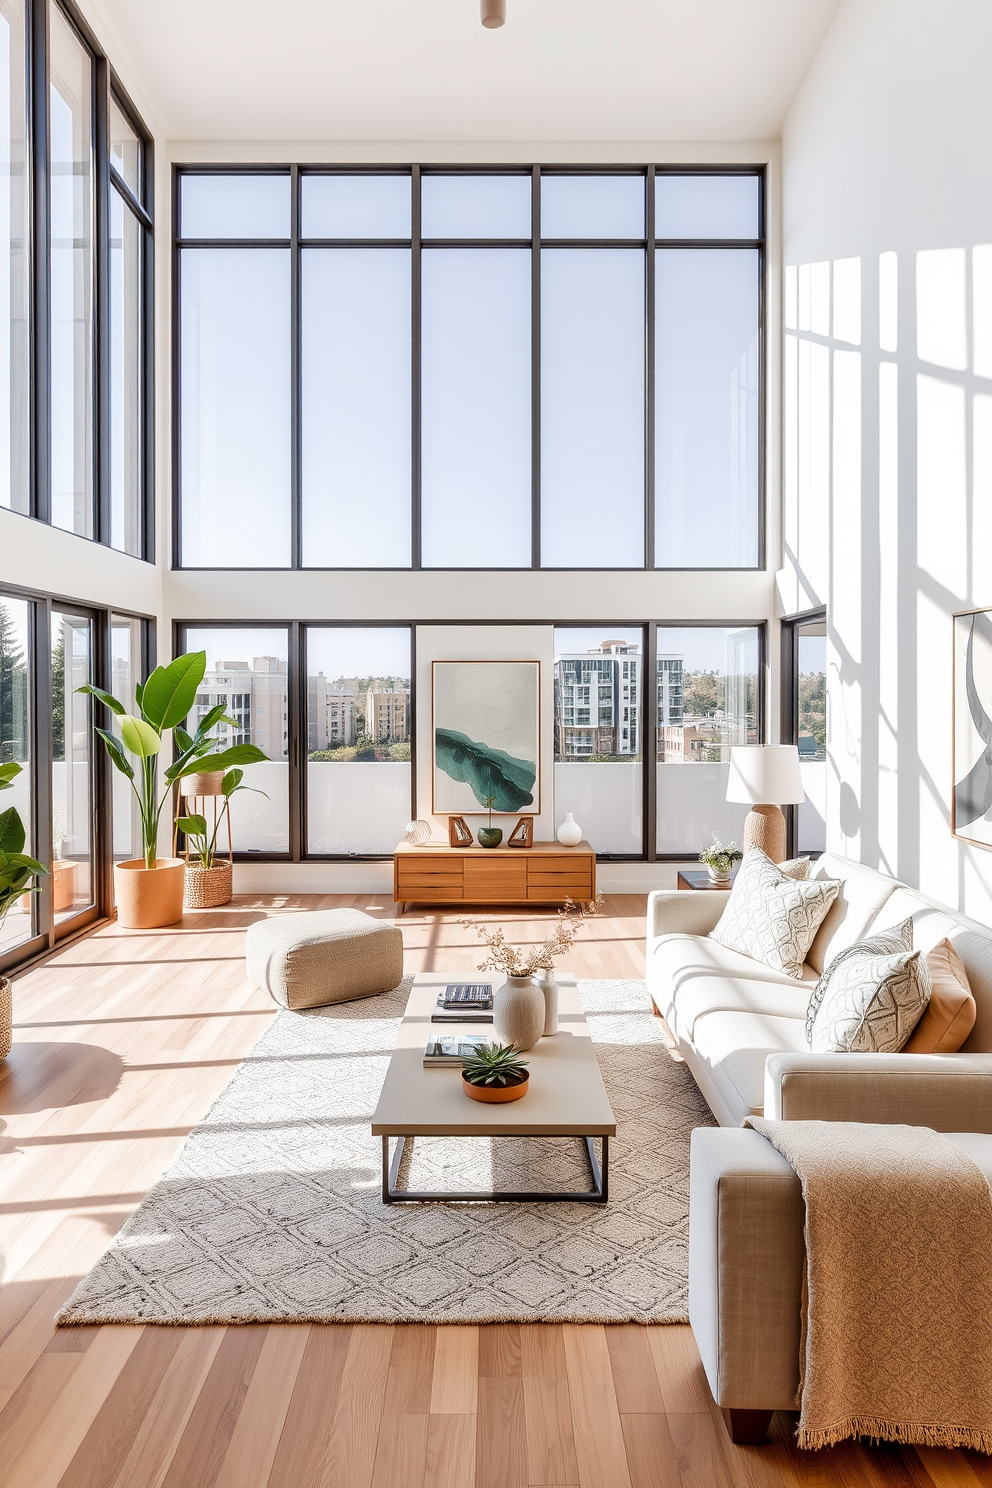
[206,783]
[64,872]
[6,1015]
[208,887]
[149,897]
[496,1095]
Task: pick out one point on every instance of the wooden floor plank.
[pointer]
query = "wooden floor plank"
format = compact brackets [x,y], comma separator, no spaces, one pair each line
[635,1379]
[401,1452]
[599,1444]
[549,1431]
[651,1459]
[211,1425]
[252,1448]
[411,1370]
[104,1449]
[306,1429]
[350,1452]
[455,1374]
[499,1351]
[151,1453]
[450,1451]
[500,1446]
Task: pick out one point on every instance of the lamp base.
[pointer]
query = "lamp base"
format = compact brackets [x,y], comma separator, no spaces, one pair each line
[764,827]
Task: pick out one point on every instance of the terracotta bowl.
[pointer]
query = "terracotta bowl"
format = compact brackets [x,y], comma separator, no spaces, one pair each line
[496,1094]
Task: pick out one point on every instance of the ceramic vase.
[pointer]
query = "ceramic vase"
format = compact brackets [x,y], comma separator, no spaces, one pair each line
[518,1012]
[569,833]
[548,987]
[490,836]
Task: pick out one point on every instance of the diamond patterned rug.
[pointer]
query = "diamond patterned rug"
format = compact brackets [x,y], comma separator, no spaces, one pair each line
[272,1210]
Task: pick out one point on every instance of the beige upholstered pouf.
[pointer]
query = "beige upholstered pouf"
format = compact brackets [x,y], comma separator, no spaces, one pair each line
[322,956]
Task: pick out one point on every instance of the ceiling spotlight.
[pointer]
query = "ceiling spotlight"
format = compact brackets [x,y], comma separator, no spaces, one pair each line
[493,13]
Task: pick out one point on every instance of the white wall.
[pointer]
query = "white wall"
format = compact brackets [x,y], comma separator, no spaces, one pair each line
[888,431]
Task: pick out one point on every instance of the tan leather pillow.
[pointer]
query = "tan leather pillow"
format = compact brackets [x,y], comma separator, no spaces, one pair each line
[950,1014]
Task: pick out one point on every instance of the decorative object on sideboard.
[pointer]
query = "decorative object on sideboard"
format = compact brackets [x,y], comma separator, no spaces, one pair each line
[569,834]
[209,879]
[486,735]
[459,834]
[493,13]
[766,777]
[522,834]
[971,796]
[720,859]
[490,836]
[495,1073]
[417,832]
[548,988]
[149,889]
[18,879]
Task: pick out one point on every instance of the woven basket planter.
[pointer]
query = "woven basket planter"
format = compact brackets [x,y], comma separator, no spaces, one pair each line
[6,1015]
[208,887]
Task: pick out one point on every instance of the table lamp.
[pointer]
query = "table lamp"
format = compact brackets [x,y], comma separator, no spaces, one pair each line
[766,776]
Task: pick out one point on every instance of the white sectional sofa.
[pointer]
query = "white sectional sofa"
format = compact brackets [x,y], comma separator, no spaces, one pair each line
[741,1026]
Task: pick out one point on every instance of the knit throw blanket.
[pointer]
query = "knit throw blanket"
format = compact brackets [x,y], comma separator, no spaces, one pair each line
[897,1336]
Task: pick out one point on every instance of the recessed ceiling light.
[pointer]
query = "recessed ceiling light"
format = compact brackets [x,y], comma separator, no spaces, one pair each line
[493,13]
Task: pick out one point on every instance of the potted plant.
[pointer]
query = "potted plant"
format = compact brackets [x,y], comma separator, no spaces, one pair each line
[17,871]
[149,889]
[209,881]
[495,1073]
[490,836]
[720,860]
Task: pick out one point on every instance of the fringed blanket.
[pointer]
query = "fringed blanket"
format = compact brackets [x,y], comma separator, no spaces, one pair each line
[897,1336]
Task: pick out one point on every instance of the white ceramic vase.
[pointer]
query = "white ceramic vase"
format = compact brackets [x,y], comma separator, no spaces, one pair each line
[548,987]
[518,1012]
[569,833]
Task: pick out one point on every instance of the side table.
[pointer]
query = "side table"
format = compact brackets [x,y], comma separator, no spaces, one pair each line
[698,878]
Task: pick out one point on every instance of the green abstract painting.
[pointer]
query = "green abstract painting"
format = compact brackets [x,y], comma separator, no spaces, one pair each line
[486,736]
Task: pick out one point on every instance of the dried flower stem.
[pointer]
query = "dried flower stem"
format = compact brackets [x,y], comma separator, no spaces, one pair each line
[521,961]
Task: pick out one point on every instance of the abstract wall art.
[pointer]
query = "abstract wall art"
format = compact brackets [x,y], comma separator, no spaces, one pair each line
[971,811]
[486,736]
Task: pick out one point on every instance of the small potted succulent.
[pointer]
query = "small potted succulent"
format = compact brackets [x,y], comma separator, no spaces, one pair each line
[720,859]
[490,836]
[495,1073]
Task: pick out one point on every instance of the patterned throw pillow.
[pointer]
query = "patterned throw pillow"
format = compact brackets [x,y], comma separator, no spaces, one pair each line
[871,996]
[795,868]
[771,917]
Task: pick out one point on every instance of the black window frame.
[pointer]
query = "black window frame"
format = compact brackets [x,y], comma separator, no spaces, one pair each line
[41,605]
[105,84]
[790,626]
[299,723]
[296,244]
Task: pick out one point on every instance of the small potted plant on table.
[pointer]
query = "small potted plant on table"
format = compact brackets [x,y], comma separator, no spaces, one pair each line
[720,860]
[490,836]
[495,1073]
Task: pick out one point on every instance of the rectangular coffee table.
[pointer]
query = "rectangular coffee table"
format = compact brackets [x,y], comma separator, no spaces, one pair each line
[566,1096]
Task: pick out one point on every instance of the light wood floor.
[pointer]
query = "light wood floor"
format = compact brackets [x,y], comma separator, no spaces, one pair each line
[122,1041]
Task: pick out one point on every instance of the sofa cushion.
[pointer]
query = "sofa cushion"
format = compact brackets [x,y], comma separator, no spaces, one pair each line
[950,1013]
[734,1047]
[862,895]
[773,917]
[872,996]
[691,975]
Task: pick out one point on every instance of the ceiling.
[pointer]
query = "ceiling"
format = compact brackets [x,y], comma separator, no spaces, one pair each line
[610,70]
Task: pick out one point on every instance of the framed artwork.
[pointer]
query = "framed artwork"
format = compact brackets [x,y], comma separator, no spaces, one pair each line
[971,806]
[486,737]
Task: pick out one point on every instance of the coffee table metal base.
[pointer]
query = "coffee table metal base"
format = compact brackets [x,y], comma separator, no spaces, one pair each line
[598,1194]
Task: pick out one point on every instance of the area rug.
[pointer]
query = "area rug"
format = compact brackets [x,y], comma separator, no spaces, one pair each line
[272,1211]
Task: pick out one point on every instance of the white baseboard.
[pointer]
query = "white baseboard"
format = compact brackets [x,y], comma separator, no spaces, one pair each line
[377,878]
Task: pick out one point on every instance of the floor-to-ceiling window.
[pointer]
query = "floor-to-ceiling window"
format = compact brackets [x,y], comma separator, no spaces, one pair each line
[469,367]
[16,730]
[804,723]
[76,304]
[73,820]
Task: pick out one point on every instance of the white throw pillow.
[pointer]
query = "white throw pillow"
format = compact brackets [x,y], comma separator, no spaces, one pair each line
[871,996]
[771,916]
[795,868]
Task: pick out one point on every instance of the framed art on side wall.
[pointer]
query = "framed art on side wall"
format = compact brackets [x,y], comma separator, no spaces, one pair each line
[971,805]
[486,736]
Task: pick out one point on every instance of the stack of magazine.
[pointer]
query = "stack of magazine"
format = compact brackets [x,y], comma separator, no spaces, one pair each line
[464,1002]
[452,1049]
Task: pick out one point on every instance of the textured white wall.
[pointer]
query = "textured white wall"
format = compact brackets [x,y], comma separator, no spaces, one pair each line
[887,222]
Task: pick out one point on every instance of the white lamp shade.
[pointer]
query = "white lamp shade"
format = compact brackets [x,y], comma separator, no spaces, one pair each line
[767,773]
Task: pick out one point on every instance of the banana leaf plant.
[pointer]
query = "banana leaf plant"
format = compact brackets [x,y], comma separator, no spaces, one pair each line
[202,840]
[164,701]
[16,868]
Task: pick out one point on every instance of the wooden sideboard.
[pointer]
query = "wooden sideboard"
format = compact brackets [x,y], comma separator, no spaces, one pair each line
[546,873]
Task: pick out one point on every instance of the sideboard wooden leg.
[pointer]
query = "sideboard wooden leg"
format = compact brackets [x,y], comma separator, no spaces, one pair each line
[748,1428]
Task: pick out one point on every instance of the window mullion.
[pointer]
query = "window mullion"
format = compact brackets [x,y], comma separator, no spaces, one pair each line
[416,337]
[649,333]
[535,372]
[101,143]
[296,338]
[40,361]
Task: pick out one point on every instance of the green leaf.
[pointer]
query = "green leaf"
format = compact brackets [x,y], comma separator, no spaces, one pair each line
[170,692]
[231,781]
[7,774]
[211,719]
[193,826]
[116,753]
[182,738]
[237,754]
[139,691]
[23,861]
[104,697]
[139,737]
[489,772]
[11,832]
